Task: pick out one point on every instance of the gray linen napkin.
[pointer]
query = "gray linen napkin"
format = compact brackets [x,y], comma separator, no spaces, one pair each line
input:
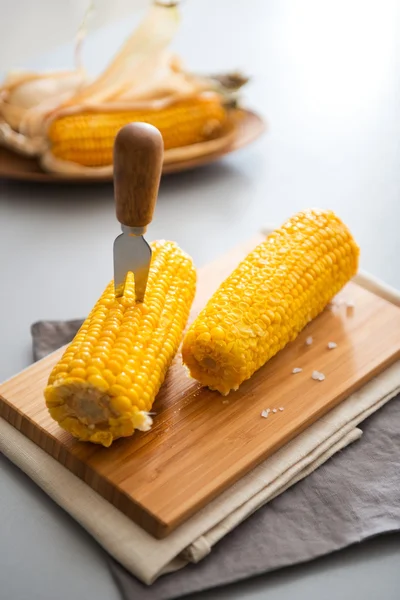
[354,496]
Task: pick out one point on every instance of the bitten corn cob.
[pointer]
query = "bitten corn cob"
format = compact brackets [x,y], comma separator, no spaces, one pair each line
[271,296]
[107,379]
[88,138]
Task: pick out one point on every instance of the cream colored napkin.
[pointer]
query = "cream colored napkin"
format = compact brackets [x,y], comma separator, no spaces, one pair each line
[148,558]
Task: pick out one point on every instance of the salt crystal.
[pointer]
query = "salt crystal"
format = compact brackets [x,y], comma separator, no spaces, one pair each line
[265,413]
[297,370]
[281,408]
[336,303]
[332,345]
[274,410]
[309,340]
[318,376]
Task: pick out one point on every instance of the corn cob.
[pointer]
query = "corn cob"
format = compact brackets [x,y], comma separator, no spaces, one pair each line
[107,379]
[87,138]
[270,297]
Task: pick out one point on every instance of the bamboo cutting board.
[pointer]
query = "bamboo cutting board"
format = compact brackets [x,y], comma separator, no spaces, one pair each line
[201,443]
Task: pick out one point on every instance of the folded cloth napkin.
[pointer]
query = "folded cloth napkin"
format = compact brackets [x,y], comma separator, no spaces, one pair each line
[354,496]
[302,533]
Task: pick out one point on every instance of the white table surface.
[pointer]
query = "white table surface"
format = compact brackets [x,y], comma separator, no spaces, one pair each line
[326,77]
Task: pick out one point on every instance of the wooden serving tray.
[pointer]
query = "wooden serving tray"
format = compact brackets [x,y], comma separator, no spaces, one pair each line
[201,443]
[247,126]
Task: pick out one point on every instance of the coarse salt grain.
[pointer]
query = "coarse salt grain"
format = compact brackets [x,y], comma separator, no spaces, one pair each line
[332,345]
[337,302]
[274,410]
[265,413]
[281,408]
[309,340]
[318,376]
[297,370]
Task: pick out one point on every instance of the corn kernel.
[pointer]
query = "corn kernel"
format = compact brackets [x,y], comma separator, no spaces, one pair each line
[121,404]
[98,382]
[78,373]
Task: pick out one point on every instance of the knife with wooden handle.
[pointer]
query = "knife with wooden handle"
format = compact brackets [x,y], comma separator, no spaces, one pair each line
[138,158]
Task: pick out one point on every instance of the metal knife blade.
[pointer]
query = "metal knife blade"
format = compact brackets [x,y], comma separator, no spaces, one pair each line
[131,254]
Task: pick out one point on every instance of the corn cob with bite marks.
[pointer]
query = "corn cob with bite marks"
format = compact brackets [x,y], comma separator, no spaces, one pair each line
[270,297]
[87,138]
[106,381]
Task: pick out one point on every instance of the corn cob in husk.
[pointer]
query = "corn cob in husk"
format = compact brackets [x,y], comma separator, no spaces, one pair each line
[70,122]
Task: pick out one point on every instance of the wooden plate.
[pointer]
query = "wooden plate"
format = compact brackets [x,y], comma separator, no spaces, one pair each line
[247,127]
[201,443]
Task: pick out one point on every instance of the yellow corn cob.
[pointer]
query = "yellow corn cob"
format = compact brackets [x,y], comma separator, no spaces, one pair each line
[88,138]
[270,297]
[106,381]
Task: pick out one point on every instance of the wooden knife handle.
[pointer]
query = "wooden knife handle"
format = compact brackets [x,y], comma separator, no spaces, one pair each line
[138,158]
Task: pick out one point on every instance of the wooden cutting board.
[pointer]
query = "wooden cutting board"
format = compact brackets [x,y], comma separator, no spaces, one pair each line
[201,442]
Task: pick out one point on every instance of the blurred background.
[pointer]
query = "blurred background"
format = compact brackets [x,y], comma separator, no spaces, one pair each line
[325,77]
